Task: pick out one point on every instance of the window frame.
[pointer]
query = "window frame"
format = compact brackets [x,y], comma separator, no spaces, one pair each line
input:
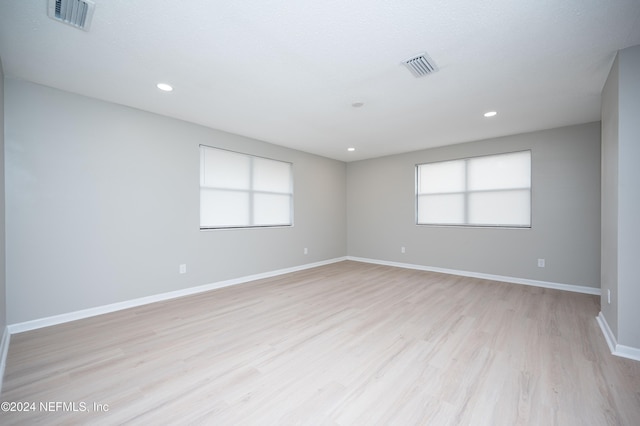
[467,192]
[251,191]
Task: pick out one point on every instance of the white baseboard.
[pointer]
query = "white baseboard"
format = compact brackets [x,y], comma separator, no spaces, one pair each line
[99,310]
[513,280]
[608,334]
[4,350]
[614,347]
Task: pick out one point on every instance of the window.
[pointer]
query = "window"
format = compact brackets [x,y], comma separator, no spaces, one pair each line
[239,190]
[493,190]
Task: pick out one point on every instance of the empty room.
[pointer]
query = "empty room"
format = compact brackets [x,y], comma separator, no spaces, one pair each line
[340,213]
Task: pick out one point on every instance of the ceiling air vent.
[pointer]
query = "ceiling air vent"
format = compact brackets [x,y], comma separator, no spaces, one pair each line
[421,65]
[76,13]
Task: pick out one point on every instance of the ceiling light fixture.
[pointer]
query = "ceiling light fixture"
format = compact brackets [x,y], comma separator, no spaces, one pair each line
[490,114]
[351,149]
[357,104]
[164,87]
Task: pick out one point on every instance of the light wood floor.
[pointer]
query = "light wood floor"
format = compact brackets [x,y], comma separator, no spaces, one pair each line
[343,344]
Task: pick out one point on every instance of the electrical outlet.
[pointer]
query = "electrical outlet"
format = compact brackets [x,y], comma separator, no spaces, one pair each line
[306,250]
[540,263]
[183,268]
[402,250]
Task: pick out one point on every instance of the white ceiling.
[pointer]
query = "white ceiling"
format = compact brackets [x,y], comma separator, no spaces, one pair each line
[287,71]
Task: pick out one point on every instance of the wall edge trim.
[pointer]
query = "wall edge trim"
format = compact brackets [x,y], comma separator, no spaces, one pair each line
[501,278]
[118,306]
[615,348]
[4,350]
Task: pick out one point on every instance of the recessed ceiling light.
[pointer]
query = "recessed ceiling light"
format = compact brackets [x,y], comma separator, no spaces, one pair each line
[357,104]
[490,114]
[164,87]
[351,149]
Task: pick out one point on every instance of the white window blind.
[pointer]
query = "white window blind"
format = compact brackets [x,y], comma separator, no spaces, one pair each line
[493,190]
[239,190]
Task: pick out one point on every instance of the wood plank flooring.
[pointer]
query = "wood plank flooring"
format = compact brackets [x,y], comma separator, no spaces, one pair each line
[342,344]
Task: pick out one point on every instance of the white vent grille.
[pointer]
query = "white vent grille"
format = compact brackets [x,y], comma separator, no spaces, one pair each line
[77,13]
[421,65]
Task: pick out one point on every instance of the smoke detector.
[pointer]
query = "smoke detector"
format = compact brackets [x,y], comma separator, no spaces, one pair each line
[421,65]
[77,13]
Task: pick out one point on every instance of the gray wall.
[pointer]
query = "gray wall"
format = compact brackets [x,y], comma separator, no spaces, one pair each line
[565,212]
[629,198]
[3,292]
[621,197]
[102,205]
[609,204]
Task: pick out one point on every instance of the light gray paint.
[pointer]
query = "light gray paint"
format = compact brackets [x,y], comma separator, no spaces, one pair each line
[565,213]
[103,205]
[3,291]
[621,197]
[609,204]
[629,197]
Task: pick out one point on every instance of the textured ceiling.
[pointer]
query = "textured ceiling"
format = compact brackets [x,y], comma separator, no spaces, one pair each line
[287,71]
